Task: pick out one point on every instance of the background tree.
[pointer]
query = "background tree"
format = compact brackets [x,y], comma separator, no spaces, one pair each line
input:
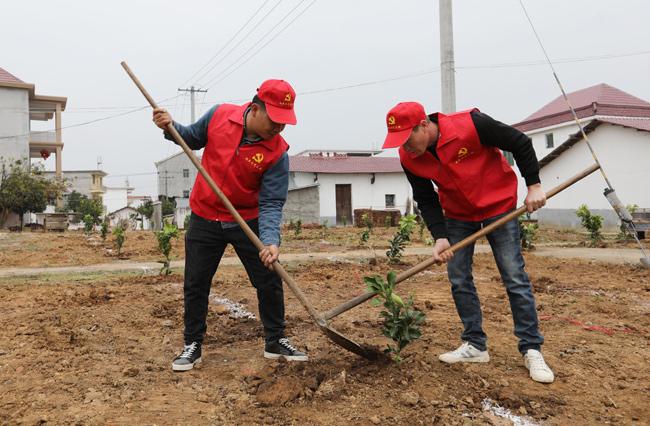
[25,190]
[168,206]
[73,201]
[145,210]
[92,208]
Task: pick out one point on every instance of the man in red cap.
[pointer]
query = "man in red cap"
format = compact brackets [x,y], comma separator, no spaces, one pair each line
[247,158]
[461,154]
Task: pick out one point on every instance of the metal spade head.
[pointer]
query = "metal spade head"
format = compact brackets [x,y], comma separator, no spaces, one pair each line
[348,344]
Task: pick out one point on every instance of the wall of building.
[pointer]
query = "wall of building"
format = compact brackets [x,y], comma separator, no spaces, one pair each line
[624,155]
[172,181]
[365,195]
[303,204]
[14,121]
[115,198]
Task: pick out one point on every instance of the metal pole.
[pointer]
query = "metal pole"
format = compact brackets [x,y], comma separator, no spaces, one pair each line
[447,70]
[192,91]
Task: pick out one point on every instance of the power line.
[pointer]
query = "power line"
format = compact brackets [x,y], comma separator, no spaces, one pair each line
[227,43]
[90,121]
[260,40]
[223,58]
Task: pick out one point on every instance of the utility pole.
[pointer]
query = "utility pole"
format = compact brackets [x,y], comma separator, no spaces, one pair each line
[447,68]
[192,91]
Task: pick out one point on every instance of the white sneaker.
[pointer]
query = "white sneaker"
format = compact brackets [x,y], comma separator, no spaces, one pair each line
[539,371]
[465,353]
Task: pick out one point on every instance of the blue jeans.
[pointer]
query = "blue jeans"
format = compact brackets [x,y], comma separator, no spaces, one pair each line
[505,243]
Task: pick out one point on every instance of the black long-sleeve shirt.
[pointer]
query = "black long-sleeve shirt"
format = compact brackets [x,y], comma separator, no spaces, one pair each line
[491,133]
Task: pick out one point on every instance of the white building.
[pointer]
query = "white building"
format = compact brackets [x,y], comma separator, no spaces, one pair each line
[331,185]
[176,175]
[618,127]
[20,106]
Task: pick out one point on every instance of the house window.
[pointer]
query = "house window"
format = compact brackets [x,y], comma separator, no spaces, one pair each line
[549,140]
[186,194]
[390,200]
[186,173]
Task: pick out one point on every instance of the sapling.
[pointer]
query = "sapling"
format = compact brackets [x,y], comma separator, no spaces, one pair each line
[120,236]
[401,238]
[592,223]
[401,321]
[365,234]
[164,237]
[103,230]
[527,232]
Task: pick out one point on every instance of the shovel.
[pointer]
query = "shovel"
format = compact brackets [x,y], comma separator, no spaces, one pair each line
[461,244]
[332,334]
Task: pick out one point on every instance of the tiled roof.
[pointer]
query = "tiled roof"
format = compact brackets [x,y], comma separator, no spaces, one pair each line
[317,164]
[601,99]
[642,124]
[7,77]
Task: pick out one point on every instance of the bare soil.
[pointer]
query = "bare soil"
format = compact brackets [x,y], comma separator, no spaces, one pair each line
[74,248]
[96,349]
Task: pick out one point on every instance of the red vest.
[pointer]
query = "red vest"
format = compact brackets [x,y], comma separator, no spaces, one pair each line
[237,170]
[474,181]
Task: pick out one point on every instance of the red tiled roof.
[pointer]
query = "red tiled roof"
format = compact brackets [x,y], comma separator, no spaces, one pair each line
[313,164]
[7,77]
[601,99]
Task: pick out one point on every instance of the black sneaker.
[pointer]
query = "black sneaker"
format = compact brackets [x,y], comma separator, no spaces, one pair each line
[282,348]
[191,355]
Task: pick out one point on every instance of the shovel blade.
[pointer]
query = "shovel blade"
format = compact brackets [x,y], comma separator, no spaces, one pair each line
[349,344]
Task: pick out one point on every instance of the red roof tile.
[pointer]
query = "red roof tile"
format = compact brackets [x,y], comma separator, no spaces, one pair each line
[601,99]
[6,77]
[314,164]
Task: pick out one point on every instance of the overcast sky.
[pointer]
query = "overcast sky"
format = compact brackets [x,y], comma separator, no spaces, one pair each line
[74,49]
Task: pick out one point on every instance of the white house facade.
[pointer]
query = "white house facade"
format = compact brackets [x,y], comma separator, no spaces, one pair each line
[618,127]
[345,181]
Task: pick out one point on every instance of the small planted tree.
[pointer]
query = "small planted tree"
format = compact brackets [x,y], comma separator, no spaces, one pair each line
[401,321]
[401,238]
[527,232]
[365,234]
[120,236]
[592,223]
[164,237]
[103,230]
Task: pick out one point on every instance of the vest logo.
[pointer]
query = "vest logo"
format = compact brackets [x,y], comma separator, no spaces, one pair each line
[258,158]
[462,154]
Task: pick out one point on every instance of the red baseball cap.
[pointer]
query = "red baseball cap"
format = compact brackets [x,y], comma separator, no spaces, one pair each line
[401,120]
[278,96]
